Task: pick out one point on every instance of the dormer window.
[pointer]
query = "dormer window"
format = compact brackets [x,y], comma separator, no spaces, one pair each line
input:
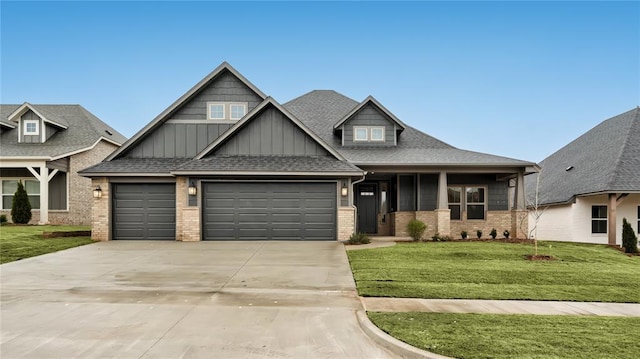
[226,111]
[368,134]
[31,127]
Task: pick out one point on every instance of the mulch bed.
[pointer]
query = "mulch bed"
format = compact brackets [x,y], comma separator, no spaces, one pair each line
[66,234]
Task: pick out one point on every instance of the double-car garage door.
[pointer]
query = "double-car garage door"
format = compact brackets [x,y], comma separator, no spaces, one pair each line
[230,211]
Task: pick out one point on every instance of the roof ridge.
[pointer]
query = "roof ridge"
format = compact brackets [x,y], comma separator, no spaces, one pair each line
[635,121]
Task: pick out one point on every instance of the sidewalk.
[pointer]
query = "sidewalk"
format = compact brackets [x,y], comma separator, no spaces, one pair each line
[373,304]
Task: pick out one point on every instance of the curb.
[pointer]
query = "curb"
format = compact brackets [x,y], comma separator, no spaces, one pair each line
[396,346]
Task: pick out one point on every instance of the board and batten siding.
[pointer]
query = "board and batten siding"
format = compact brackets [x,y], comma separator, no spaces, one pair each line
[428,192]
[30,115]
[58,192]
[176,140]
[271,133]
[225,88]
[369,116]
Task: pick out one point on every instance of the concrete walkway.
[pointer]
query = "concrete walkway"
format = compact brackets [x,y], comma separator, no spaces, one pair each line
[500,307]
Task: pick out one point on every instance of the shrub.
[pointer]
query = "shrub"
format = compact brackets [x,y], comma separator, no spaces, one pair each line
[416,229]
[3,219]
[20,207]
[493,233]
[359,238]
[463,234]
[506,234]
[629,239]
[438,238]
[479,233]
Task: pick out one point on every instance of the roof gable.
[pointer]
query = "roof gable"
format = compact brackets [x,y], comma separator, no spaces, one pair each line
[26,107]
[175,107]
[370,101]
[280,129]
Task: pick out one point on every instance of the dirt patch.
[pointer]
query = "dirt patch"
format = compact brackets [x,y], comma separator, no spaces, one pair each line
[66,234]
[539,257]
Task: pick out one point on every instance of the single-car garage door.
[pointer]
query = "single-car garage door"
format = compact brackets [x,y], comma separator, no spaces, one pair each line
[269,211]
[144,211]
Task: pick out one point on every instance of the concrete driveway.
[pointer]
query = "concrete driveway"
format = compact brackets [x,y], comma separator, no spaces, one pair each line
[143,299]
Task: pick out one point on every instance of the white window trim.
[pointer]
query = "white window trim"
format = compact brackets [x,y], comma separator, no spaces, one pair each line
[37,131]
[23,179]
[381,128]
[484,203]
[224,112]
[460,204]
[232,104]
[366,132]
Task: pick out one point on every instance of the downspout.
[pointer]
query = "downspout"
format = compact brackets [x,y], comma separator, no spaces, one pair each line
[355,209]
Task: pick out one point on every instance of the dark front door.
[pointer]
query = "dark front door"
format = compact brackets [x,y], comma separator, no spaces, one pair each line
[366,201]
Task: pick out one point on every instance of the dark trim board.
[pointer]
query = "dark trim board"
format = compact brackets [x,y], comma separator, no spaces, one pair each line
[269,211]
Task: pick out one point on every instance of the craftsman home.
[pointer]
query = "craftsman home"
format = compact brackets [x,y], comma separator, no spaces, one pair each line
[227,162]
[589,185]
[44,146]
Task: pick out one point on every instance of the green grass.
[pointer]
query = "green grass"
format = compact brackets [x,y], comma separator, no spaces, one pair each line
[19,242]
[514,336]
[492,270]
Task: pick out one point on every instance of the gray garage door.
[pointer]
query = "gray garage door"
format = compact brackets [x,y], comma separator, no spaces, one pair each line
[265,211]
[144,211]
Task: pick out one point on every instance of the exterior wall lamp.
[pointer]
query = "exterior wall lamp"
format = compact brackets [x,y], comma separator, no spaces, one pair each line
[193,190]
[97,192]
[344,191]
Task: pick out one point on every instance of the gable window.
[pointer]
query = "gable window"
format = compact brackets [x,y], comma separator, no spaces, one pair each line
[475,202]
[360,134]
[31,127]
[215,111]
[454,195]
[377,134]
[10,186]
[598,219]
[238,111]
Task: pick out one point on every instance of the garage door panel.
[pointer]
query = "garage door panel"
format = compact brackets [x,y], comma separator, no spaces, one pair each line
[144,211]
[268,210]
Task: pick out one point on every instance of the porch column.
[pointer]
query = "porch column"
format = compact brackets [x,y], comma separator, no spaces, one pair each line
[443,214]
[611,219]
[520,202]
[519,214]
[44,195]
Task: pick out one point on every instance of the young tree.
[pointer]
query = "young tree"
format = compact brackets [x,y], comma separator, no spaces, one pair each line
[629,239]
[20,207]
[536,211]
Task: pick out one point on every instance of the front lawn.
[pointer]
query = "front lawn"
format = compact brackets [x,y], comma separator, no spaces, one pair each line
[514,336]
[493,270]
[19,242]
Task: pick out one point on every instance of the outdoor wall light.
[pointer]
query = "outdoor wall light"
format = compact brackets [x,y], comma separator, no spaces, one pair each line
[344,191]
[97,192]
[193,190]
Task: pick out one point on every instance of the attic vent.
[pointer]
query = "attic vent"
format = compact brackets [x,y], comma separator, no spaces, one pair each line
[108,132]
[568,168]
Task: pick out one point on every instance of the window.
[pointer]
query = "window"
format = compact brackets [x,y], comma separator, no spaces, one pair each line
[31,127]
[377,134]
[215,111]
[9,188]
[360,134]
[475,203]
[598,219]
[454,195]
[639,219]
[238,111]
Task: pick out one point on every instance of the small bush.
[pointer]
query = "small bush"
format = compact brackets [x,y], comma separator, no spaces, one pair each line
[493,233]
[629,239]
[506,234]
[359,238]
[438,238]
[464,234]
[20,206]
[416,229]
[479,233]
[3,219]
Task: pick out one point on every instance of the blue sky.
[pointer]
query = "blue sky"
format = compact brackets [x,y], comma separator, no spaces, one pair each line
[518,79]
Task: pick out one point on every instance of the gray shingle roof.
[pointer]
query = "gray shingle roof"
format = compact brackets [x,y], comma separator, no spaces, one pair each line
[321,109]
[136,166]
[84,129]
[319,164]
[604,159]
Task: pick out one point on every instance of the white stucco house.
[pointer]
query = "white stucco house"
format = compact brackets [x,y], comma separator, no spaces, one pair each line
[587,187]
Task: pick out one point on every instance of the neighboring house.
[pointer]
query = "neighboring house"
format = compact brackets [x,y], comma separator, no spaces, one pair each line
[44,146]
[227,162]
[589,185]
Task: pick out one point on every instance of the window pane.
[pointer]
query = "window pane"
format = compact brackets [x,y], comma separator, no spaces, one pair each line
[475,195]
[7,201]
[216,111]
[598,211]
[598,226]
[453,194]
[237,111]
[360,134]
[31,127]
[35,202]
[377,134]
[9,187]
[32,187]
[455,211]
[475,211]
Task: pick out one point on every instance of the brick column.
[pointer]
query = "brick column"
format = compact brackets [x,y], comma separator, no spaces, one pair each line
[519,224]
[100,209]
[346,222]
[187,218]
[443,222]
